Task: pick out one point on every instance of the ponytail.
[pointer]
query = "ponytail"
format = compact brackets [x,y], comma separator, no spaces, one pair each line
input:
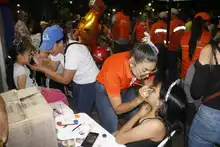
[197,27]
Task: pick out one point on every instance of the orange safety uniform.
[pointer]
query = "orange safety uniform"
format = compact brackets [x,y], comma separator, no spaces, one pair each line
[177,29]
[158,32]
[186,62]
[121,28]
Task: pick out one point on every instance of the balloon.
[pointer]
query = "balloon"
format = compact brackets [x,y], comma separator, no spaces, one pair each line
[88,28]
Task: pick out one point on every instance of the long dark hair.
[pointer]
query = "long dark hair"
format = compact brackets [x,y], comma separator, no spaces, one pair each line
[18,47]
[173,109]
[197,27]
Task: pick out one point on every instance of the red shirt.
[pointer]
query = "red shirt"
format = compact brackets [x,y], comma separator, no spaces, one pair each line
[139,29]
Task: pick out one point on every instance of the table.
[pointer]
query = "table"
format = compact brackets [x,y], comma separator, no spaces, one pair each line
[105,139]
[88,125]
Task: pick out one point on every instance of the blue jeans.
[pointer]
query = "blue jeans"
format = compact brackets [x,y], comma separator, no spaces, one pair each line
[108,117]
[205,130]
[84,95]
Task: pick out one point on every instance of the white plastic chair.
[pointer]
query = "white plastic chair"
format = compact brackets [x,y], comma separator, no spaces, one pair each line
[163,143]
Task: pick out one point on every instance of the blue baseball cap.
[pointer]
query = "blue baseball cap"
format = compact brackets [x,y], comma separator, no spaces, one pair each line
[50,36]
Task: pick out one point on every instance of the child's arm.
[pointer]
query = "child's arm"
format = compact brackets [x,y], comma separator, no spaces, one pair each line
[21,81]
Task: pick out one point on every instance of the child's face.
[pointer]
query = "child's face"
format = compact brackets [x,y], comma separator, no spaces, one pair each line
[24,58]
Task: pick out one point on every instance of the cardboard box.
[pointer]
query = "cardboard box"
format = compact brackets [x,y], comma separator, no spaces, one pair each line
[31,122]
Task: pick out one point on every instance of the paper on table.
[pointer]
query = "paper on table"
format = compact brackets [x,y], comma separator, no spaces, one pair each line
[88,125]
[66,133]
[61,108]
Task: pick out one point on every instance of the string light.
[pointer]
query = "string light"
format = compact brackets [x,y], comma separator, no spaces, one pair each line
[113,10]
[71,2]
[149,4]
[18,5]
[18,11]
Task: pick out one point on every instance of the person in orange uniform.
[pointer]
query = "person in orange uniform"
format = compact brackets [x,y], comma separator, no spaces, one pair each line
[121,31]
[158,37]
[193,41]
[177,29]
[140,27]
[159,30]
[115,95]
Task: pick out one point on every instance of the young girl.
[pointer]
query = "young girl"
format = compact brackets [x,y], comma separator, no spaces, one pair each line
[18,59]
[164,106]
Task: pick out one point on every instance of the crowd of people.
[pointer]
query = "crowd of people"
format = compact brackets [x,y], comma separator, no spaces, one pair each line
[151,83]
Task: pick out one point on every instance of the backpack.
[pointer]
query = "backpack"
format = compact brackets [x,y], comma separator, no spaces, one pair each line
[192,104]
[187,85]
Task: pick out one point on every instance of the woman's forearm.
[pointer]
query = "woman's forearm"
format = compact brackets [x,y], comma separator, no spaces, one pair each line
[48,64]
[129,125]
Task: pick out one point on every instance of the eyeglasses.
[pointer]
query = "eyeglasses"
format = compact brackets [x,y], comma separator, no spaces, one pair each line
[145,71]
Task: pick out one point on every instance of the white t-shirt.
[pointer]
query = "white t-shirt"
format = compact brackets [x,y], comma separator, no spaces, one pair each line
[79,58]
[59,58]
[23,70]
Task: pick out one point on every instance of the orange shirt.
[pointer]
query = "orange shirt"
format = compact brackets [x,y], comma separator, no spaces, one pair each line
[186,62]
[158,32]
[177,29]
[115,74]
[139,29]
[121,28]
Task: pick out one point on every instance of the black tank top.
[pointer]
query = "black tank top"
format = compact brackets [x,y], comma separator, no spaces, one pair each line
[148,142]
[206,82]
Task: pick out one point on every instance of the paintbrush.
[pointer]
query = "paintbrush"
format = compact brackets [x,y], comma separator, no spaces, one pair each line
[138,84]
[76,127]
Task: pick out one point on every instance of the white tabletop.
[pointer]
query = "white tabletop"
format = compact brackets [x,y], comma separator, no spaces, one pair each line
[109,141]
[87,125]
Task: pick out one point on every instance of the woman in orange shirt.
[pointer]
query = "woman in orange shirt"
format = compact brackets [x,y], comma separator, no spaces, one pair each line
[193,41]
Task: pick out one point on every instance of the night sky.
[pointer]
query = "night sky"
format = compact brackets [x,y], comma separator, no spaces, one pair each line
[46,7]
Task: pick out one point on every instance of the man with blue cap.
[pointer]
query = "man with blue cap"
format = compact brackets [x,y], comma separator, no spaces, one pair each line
[79,66]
